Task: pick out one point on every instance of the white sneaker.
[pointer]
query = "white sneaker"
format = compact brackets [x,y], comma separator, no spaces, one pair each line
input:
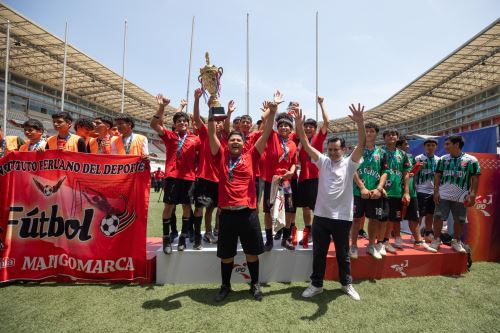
[349,290]
[424,246]
[373,251]
[389,248]
[209,238]
[380,247]
[353,252]
[398,243]
[429,238]
[457,246]
[312,291]
[436,243]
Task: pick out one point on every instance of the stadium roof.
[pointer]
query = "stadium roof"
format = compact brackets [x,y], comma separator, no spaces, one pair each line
[38,54]
[472,67]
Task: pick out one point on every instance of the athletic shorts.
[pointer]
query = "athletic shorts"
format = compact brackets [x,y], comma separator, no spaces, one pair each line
[412,213]
[178,191]
[426,204]
[206,193]
[393,207]
[289,204]
[307,191]
[457,209]
[369,208]
[242,223]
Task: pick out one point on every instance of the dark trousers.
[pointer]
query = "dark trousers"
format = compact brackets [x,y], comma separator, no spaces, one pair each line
[322,229]
[158,185]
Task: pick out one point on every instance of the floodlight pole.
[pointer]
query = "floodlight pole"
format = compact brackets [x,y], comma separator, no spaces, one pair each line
[7,50]
[64,66]
[316,101]
[248,65]
[189,68]
[123,65]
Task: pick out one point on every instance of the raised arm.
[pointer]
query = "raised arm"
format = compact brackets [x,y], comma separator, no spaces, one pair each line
[212,137]
[231,106]
[196,108]
[157,121]
[324,113]
[357,117]
[272,108]
[299,128]
[182,105]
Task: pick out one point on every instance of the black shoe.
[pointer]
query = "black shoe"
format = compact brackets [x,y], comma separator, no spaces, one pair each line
[173,236]
[182,243]
[362,234]
[256,291]
[191,236]
[278,234]
[287,244]
[167,245]
[268,246]
[197,243]
[222,294]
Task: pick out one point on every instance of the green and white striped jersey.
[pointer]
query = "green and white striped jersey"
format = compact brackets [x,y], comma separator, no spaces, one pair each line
[456,173]
[424,179]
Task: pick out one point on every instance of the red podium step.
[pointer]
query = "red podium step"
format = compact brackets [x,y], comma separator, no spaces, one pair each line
[408,262]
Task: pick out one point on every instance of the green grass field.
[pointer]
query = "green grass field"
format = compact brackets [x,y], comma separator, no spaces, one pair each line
[470,303]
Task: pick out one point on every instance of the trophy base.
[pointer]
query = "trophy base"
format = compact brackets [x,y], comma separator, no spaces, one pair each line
[217,113]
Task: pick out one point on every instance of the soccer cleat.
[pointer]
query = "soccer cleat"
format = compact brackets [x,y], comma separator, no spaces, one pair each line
[457,246]
[278,234]
[222,294]
[349,290]
[256,291]
[362,234]
[389,248]
[380,247]
[294,235]
[181,245]
[173,236]
[398,243]
[287,245]
[424,246]
[353,252]
[305,238]
[209,238]
[371,249]
[268,246]
[436,243]
[312,291]
[167,245]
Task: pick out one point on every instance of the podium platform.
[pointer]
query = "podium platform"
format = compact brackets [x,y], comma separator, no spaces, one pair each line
[280,265]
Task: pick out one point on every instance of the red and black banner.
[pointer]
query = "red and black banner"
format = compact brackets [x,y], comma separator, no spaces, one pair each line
[75,216]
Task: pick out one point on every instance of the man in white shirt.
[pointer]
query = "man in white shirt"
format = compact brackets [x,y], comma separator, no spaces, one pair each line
[334,205]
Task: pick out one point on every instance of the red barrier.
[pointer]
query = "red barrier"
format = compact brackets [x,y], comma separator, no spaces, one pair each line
[73,216]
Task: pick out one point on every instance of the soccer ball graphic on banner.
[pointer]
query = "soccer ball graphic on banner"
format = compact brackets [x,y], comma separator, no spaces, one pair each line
[47,190]
[109,225]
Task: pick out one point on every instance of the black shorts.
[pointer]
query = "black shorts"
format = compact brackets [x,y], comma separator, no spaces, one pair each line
[306,194]
[369,208]
[393,208]
[242,223]
[178,191]
[206,193]
[426,205]
[289,203]
[412,213]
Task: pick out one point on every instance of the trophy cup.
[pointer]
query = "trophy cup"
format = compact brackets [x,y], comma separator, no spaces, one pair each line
[210,81]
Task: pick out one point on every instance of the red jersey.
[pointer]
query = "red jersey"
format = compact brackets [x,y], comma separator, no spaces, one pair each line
[207,166]
[277,157]
[239,190]
[308,170]
[158,175]
[181,154]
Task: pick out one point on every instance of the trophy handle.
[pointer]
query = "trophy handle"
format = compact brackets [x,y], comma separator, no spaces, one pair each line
[220,70]
[199,79]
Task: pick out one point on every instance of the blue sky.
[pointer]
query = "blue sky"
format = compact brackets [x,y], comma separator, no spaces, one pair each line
[368,49]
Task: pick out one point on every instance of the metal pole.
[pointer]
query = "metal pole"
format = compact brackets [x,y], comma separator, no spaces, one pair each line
[123,65]
[248,64]
[316,101]
[7,50]
[189,69]
[64,66]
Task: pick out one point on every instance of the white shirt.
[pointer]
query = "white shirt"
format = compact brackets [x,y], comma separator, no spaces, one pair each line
[335,197]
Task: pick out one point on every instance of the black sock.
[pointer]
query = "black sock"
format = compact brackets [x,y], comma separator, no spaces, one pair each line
[286,233]
[269,234]
[185,225]
[253,267]
[385,240]
[380,241]
[225,271]
[166,227]
[419,242]
[308,227]
[173,222]
[197,224]
[292,225]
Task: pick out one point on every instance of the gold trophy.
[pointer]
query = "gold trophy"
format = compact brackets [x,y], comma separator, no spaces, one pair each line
[210,81]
